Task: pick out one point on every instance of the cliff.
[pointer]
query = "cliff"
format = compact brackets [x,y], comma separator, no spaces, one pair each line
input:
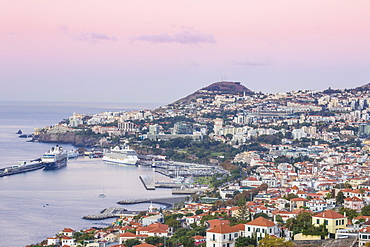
[69,137]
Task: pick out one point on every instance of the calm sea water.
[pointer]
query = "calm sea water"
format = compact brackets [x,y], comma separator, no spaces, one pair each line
[70,192]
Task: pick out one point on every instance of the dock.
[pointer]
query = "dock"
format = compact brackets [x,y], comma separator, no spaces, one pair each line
[169,202]
[148,182]
[111,213]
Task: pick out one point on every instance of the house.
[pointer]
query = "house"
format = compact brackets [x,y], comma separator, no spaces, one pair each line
[68,241]
[316,205]
[331,219]
[192,219]
[364,236]
[111,237]
[216,222]
[156,229]
[199,239]
[297,203]
[148,220]
[354,203]
[53,241]
[67,232]
[124,236]
[260,226]
[222,236]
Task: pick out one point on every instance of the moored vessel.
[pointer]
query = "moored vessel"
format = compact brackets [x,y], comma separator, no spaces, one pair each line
[21,167]
[55,158]
[121,155]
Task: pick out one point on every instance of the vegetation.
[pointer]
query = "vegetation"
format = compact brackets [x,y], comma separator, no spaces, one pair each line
[366,210]
[269,241]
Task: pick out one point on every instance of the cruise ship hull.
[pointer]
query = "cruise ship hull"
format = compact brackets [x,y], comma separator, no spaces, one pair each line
[55,165]
[121,155]
[119,161]
[55,158]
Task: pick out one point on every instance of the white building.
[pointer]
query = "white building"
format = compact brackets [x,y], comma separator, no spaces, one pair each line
[261,227]
[222,236]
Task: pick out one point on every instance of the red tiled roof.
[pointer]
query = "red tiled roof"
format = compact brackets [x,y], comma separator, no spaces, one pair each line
[223,229]
[128,235]
[329,214]
[260,221]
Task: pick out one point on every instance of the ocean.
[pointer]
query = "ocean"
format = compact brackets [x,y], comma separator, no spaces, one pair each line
[38,204]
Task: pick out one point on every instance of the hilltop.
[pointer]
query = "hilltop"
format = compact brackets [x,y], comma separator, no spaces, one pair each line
[223,87]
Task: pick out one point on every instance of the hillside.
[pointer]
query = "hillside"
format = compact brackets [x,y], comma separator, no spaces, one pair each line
[365,87]
[223,87]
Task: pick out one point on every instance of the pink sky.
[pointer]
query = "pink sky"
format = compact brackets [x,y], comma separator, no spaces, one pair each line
[159,51]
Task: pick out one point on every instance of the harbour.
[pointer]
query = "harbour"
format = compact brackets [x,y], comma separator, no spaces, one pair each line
[45,201]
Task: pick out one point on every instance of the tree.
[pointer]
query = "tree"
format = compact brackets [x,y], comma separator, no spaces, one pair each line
[269,241]
[301,222]
[328,195]
[132,242]
[366,210]
[154,240]
[290,196]
[243,209]
[340,198]
[245,241]
[350,213]
[264,215]
[199,211]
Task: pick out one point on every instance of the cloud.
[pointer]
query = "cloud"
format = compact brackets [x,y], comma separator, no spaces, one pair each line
[63,28]
[94,37]
[183,37]
[252,61]
[91,37]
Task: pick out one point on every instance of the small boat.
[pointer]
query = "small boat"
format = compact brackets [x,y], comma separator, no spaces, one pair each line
[102,195]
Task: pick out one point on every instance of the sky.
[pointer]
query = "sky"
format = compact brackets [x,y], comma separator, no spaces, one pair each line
[160,51]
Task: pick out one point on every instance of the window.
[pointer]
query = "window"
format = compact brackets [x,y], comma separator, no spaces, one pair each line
[337,222]
[224,236]
[263,230]
[258,230]
[249,229]
[318,221]
[236,235]
[326,222]
[270,230]
[213,237]
[342,222]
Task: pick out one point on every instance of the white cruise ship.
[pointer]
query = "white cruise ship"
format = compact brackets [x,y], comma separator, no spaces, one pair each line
[121,155]
[55,158]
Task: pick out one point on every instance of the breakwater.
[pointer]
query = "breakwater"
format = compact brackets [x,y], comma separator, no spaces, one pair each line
[111,212]
[169,202]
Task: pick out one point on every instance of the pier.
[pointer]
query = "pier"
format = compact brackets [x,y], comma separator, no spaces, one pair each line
[169,202]
[111,213]
[148,182]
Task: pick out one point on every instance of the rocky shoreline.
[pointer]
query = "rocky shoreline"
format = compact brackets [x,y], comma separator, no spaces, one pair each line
[68,137]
